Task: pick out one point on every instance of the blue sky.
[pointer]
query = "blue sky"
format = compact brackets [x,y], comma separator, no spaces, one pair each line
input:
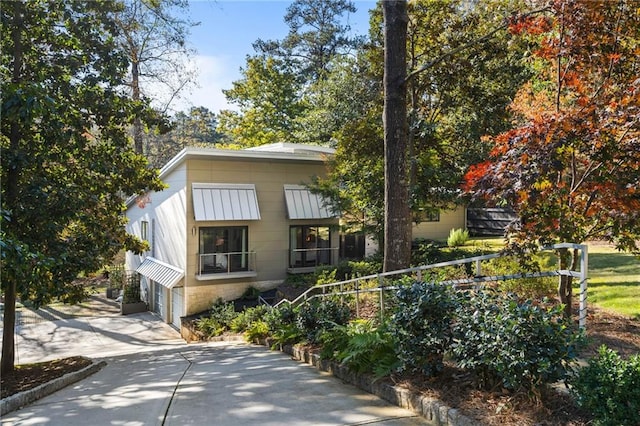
[225,35]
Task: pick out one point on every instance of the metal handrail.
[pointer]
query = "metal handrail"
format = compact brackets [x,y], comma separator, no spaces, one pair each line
[249,254]
[582,274]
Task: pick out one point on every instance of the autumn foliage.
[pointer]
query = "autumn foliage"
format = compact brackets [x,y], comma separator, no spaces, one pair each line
[570,166]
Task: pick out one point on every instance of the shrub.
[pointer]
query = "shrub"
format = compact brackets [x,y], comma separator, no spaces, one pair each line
[609,388]
[363,347]
[523,287]
[221,316]
[317,316]
[251,293]
[325,276]
[458,237]
[117,276]
[281,322]
[421,324]
[256,330]
[352,269]
[513,345]
[209,327]
[243,320]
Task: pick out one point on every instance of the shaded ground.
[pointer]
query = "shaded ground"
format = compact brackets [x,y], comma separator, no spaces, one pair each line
[454,388]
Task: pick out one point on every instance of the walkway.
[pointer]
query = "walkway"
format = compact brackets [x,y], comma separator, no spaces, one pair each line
[152,377]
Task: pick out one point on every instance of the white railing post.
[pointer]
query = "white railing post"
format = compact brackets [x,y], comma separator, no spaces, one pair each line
[381,286]
[357,298]
[584,277]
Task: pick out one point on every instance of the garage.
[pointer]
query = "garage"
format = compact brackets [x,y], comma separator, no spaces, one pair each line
[164,277]
[177,306]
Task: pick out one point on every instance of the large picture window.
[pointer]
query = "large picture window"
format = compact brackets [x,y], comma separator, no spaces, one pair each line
[223,249]
[309,246]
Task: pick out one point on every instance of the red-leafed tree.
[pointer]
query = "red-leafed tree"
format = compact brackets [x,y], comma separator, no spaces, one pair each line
[570,167]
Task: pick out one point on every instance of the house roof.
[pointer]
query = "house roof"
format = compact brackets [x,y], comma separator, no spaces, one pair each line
[273,152]
[276,151]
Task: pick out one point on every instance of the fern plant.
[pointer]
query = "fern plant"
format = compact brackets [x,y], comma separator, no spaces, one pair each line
[363,347]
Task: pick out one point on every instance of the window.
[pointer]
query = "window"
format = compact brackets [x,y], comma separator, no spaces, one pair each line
[309,246]
[144,230]
[428,216]
[223,250]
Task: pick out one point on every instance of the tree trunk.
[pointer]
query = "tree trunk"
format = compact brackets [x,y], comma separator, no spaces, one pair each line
[565,285]
[10,199]
[397,229]
[8,330]
[135,95]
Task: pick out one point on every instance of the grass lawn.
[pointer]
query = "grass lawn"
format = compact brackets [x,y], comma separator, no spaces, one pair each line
[614,277]
[614,280]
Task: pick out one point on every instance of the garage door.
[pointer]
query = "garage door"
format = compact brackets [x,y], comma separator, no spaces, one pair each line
[177,310]
[158,299]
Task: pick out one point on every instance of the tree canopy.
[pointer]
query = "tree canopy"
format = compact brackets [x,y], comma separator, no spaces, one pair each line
[153,34]
[286,86]
[570,166]
[67,158]
[451,104]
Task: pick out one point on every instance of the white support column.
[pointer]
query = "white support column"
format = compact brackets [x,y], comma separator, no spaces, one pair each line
[584,277]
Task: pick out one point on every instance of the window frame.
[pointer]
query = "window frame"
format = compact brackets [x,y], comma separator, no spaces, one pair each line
[223,251]
[307,247]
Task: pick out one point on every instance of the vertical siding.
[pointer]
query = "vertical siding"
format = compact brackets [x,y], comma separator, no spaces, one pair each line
[166,210]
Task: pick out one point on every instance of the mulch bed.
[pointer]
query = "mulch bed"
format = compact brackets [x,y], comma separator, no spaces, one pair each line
[28,376]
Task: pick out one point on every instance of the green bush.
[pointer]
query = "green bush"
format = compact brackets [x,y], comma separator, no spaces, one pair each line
[513,345]
[221,315]
[609,388]
[282,324]
[209,327]
[243,320]
[352,269]
[421,324]
[535,288]
[251,293]
[256,330]
[318,316]
[117,276]
[458,237]
[362,347]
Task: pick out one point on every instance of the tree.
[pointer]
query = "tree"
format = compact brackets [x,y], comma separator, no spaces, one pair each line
[571,166]
[269,101]
[66,155]
[283,90]
[397,226]
[153,34]
[197,128]
[316,36]
[460,94]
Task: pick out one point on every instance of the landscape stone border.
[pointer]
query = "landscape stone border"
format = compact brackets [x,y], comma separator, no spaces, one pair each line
[430,408]
[20,399]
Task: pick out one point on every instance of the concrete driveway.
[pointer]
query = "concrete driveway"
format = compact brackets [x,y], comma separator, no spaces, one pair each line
[152,377]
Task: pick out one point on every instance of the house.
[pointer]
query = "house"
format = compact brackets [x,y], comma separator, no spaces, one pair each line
[229,220]
[233,219]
